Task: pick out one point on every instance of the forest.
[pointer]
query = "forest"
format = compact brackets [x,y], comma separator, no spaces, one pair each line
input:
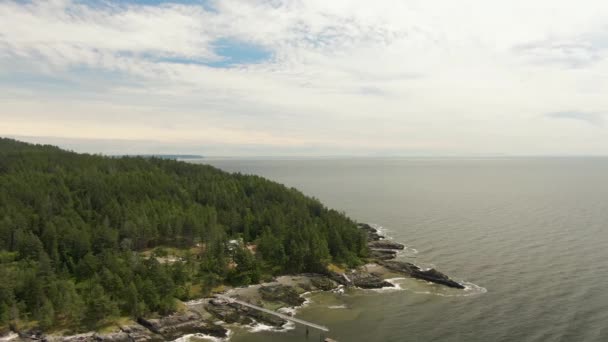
[88,238]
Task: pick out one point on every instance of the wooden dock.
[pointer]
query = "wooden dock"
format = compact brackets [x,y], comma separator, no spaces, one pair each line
[285,317]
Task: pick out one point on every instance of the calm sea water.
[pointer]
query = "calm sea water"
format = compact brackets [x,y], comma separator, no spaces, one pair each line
[532,232]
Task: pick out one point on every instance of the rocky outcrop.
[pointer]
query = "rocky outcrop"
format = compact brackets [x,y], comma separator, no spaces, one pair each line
[282,294]
[338,278]
[323,283]
[385,244]
[113,337]
[174,326]
[383,251]
[227,312]
[382,254]
[379,248]
[361,279]
[372,233]
[236,313]
[132,333]
[265,318]
[90,336]
[31,335]
[366,280]
[214,330]
[148,330]
[414,271]
[138,333]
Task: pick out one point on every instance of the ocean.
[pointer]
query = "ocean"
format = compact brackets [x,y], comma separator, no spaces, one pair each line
[529,236]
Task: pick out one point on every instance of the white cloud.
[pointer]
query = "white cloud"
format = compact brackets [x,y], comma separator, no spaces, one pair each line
[352,76]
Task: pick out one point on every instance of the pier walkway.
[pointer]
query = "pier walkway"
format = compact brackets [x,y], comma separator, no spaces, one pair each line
[285,317]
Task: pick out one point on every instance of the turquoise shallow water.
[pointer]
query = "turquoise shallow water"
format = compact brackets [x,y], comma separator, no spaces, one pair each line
[532,232]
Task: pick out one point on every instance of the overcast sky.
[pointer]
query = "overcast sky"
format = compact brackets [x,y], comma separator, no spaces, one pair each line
[307,77]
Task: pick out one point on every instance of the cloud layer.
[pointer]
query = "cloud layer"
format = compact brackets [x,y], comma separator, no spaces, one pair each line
[310,77]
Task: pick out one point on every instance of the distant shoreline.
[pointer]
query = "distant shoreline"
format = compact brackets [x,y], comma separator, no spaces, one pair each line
[163,156]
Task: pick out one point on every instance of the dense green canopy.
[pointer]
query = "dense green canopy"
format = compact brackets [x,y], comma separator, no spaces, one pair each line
[76,231]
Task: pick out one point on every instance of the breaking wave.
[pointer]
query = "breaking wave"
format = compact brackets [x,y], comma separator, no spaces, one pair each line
[187,338]
[396,285]
[343,306]
[258,327]
[470,289]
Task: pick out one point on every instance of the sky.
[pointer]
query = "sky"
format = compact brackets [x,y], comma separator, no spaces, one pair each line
[307,77]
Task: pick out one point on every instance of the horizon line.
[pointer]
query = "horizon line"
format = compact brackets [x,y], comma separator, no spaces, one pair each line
[210,155]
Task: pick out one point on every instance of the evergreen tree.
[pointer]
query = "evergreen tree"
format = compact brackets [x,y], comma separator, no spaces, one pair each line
[46,314]
[99,305]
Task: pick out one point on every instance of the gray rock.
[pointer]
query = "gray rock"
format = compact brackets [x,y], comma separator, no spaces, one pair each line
[281,293]
[85,337]
[31,335]
[383,254]
[385,244]
[323,283]
[266,318]
[138,333]
[338,278]
[215,331]
[227,313]
[236,313]
[414,271]
[112,337]
[174,326]
[372,233]
[366,280]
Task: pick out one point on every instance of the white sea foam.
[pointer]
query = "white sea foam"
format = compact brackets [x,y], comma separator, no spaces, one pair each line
[339,290]
[343,306]
[407,251]
[10,337]
[289,311]
[396,286]
[470,289]
[474,289]
[258,327]
[381,230]
[187,338]
[307,300]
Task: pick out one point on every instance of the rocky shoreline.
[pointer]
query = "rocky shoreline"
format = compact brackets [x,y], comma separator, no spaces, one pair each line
[378,245]
[209,316]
